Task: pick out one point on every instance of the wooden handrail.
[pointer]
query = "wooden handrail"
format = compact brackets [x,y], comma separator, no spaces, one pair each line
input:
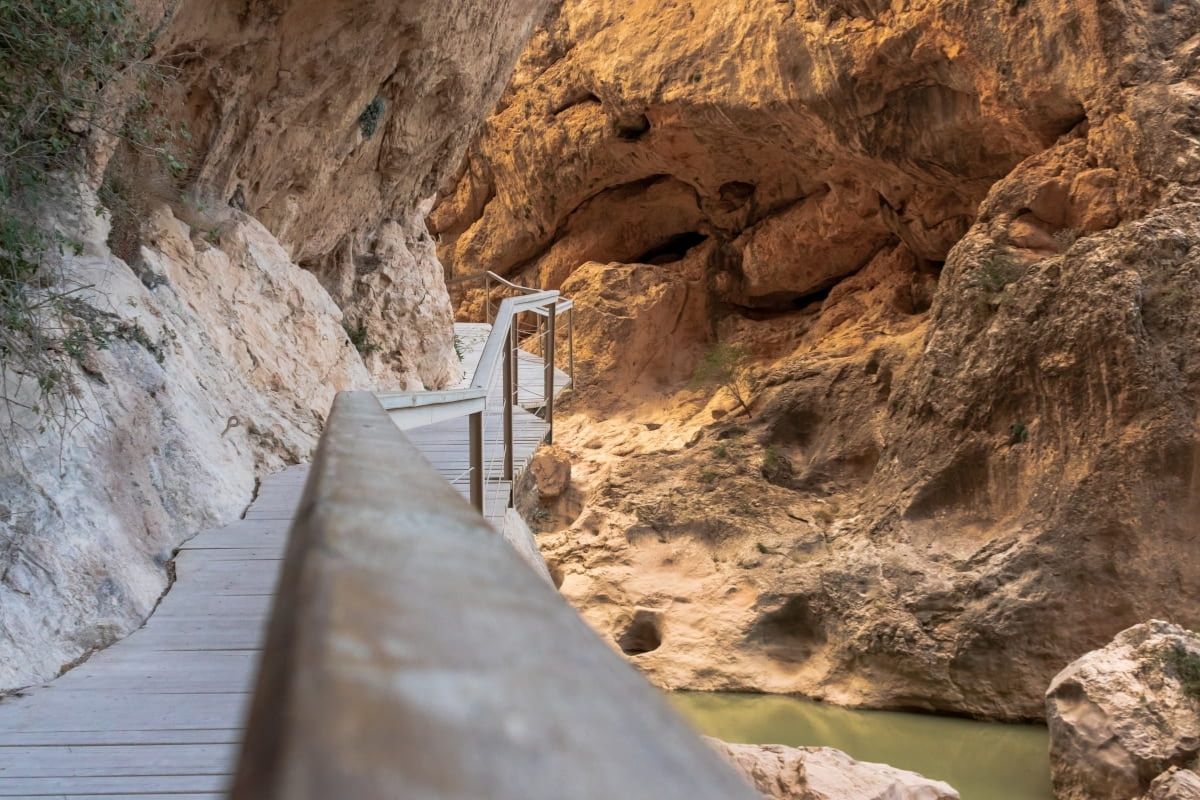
[411,654]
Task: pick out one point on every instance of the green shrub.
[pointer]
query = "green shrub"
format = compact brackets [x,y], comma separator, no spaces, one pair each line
[723,365]
[368,120]
[996,272]
[359,337]
[56,58]
[776,467]
[1186,666]
[1018,433]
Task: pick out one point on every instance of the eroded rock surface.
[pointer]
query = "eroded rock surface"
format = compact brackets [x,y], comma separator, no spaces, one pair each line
[222,359]
[823,773]
[1175,784]
[1123,716]
[958,245]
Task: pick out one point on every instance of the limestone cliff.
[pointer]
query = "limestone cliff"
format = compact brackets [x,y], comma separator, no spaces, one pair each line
[959,243]
[219,292]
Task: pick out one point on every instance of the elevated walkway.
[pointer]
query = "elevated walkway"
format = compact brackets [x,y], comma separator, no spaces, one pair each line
[363,634]
[160,713]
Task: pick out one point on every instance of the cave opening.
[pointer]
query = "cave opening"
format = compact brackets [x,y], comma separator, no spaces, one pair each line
[782,304]
[791,632]
[673,249]
[642,635]
[582,98]
[634,129]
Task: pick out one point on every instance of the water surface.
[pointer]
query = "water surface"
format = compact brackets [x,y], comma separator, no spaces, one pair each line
[982,760]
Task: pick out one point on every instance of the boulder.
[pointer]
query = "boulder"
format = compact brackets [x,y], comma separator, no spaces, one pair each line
[551,470]
[1122,716]
[823,773]
[1175,784]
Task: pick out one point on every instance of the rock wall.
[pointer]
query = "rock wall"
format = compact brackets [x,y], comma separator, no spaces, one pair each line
[306,136]
[222,359]
[958,245]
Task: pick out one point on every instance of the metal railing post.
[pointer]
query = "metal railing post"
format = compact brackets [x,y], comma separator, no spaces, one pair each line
[548,355]
[475,423]
[571,345]
[516,362]
[510,355]
[487,294]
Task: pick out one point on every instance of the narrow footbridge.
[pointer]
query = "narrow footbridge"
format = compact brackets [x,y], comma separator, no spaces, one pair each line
[362,632]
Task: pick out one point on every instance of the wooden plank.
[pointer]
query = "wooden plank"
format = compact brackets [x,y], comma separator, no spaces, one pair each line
[104,710]
[114,760]
[153,737]
[123,786]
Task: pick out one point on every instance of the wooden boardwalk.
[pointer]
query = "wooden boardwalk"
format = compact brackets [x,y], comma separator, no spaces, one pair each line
[444,443]
[159,714]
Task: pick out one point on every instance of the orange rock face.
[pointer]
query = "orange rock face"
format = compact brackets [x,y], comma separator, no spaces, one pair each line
[958,244]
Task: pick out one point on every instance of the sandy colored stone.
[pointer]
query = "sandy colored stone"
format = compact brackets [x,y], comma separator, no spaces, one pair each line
[1119,717]
[990,417]
[823,773]
[1175,784]
[551,470]
[627,315]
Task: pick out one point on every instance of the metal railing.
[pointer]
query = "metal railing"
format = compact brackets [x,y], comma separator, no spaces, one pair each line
[500,352]
[410,653]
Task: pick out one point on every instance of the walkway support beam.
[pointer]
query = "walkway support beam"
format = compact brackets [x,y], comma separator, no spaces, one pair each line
[510,365]
[412,653]
[475,423]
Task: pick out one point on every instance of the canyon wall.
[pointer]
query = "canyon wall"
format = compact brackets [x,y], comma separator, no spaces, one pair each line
[278,256]
[954,248]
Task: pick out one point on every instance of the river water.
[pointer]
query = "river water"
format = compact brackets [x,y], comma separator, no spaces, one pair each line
[982,760]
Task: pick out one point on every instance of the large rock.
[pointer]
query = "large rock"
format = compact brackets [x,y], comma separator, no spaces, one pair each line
[822,773]
[551,471]
[221,358]
[331,125]
[1123,715]
[992,409]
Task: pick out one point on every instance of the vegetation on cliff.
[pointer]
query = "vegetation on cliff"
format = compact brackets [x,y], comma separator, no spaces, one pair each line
[57,57]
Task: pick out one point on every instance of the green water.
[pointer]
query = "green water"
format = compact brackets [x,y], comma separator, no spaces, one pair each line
[982,760]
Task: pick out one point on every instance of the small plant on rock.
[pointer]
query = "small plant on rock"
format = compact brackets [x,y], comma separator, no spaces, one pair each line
[724,365]
[58,61]
[1186,666]
[368,120]
[776,467]
[1067,237]
[359,338]
[996,272]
